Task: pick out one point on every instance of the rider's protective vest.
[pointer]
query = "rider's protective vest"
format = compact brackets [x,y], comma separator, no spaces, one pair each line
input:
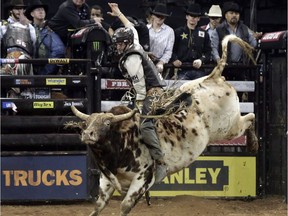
[152,77]
[18,36]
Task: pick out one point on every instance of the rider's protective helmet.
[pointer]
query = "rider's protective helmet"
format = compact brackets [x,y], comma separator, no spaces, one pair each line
[124,35]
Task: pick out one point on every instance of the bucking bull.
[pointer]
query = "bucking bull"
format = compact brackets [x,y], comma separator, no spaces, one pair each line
[123,158]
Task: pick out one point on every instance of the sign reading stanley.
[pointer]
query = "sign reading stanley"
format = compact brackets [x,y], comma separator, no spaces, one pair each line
[43,177]
[212,176]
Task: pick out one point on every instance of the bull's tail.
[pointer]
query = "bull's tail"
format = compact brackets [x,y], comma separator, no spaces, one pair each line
[248,50]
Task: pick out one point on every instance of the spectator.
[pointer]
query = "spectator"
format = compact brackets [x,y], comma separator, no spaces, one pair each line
[192,46]
[139,70]
[18,38]
[48,43]
[215,15]
[97,12]
[161,37]
[231,25]
[71,14]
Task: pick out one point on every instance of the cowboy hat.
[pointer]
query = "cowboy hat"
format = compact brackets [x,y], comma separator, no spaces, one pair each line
[194,10]
[35,4]
[15,3]
[214,11]
[160,10]
[231,6]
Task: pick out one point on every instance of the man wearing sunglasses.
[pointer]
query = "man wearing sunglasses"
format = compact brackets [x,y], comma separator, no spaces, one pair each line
[215,15]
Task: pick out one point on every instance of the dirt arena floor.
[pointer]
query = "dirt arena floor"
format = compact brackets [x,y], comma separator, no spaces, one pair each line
[174,206]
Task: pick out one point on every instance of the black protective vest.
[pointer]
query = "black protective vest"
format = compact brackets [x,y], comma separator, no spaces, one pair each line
[16,36]
[152,77]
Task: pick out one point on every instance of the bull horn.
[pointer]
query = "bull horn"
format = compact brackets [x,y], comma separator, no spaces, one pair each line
[122,117]
[79,114]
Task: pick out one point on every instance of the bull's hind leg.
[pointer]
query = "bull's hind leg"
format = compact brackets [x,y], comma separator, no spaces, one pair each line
[106,191]
[247,127]
[252,140]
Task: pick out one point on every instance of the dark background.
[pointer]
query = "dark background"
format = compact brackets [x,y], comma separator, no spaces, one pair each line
[267,15]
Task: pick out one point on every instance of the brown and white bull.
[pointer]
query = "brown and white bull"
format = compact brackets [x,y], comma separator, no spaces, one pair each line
[123,158]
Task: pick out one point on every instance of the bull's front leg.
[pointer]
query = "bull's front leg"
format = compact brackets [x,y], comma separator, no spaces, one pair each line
[139,185]
[106,190]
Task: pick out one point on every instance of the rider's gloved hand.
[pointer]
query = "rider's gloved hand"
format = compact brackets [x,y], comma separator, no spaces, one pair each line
[139,105]
[197,63]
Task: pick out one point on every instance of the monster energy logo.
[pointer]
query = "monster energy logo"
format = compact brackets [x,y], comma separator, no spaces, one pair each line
[96,45]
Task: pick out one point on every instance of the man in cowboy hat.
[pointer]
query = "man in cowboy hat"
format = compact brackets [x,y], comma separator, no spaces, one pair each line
[161,37]
[215,15]
[17,17]
[48,43]
[231,25]
[18,37]
[192,46]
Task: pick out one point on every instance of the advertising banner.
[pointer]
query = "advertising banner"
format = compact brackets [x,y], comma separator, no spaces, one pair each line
[212,176]
[63,177]
[60,177]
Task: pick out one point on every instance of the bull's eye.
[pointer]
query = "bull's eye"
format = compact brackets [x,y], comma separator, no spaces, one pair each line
[84,125]
[107,122]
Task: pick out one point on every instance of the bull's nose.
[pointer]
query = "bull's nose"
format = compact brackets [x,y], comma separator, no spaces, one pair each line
[88,136]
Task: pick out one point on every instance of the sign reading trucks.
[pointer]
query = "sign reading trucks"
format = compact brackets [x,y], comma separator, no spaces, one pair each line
[44,177]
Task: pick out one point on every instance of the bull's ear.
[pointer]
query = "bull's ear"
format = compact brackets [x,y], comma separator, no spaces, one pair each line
[79,114]
[122,117]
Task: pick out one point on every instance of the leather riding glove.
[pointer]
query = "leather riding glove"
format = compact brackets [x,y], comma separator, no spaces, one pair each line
[139,105]
[197,63]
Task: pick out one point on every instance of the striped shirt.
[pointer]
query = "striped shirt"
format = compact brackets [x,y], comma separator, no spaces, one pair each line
[162,42]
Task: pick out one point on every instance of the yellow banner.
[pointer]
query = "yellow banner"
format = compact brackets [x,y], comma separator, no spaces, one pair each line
[212,176]
[43,105]
[56,81]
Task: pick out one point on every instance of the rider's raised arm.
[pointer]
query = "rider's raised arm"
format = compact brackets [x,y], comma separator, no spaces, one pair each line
[115,11]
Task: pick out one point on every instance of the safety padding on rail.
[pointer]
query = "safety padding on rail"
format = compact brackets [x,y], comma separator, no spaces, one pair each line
[240,141]
[240,86]
[35,106]
[43,81]
[245,107]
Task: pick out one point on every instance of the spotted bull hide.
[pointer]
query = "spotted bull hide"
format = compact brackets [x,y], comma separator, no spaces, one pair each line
[123,158]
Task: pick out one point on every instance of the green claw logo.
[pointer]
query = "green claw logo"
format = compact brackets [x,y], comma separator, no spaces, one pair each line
[96,45]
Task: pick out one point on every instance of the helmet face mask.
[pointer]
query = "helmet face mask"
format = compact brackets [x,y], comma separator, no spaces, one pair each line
[122,39]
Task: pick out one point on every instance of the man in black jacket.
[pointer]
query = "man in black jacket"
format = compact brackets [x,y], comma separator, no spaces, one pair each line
[192,46]
[72,14]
